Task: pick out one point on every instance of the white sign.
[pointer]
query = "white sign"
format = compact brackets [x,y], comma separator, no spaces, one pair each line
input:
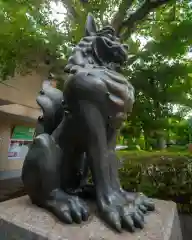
[46,83]
[18,149]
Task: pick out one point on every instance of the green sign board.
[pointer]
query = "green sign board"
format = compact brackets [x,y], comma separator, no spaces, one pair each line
[23,133]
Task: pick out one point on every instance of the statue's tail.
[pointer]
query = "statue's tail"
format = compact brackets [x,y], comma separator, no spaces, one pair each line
[50,101]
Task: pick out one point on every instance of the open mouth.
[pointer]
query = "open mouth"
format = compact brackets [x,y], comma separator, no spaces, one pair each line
[120,58]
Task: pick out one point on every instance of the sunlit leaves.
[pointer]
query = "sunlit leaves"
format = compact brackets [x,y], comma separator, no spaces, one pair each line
[25,35]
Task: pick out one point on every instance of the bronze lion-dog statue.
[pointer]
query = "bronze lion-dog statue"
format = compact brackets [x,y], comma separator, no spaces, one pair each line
[77,134]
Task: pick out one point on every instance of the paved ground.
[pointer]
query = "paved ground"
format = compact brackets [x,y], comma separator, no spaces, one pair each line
[11,188]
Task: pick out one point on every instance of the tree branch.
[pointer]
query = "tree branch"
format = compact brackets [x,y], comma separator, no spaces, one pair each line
[121,14]
[139,15]
[71,10]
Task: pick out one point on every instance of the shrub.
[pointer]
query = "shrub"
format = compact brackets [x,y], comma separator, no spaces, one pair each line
[164,175]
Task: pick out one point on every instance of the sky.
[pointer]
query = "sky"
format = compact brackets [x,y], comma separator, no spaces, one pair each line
[58,11]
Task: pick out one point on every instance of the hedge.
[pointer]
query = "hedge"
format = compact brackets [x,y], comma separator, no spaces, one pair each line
[162,175]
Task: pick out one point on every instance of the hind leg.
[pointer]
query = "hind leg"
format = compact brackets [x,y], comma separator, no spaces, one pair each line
[41,178]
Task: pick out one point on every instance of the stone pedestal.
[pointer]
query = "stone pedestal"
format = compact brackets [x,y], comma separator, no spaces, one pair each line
[20,220]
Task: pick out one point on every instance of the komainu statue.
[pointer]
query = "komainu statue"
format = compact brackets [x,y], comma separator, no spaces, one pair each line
[77,134]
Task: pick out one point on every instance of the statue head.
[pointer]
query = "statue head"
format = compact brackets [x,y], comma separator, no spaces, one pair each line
[105,45]
[98,48]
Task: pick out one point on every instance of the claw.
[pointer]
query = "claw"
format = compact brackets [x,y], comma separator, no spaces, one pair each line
[140,213]
[67,217]
[82,212]
[76,214]
[113,219]
[139,223]
[149,204]
[142,208]
[128,223]
[85,214]
[62,213]
[145,203]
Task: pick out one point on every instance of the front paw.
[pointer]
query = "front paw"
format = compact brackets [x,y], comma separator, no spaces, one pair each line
[67,208]
[119,213]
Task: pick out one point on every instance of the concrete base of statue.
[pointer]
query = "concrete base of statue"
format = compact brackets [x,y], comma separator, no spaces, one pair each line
[20,220]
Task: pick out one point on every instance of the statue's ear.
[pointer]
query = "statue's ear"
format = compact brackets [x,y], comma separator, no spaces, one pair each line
[90,25]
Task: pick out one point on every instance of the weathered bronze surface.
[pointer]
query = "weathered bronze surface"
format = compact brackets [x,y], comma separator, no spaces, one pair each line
[77,133]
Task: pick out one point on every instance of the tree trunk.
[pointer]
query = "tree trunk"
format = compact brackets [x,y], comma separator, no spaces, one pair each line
[161,143]
[147,141]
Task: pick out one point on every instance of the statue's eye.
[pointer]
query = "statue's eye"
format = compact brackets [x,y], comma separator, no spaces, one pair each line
[110,43]
[109,36]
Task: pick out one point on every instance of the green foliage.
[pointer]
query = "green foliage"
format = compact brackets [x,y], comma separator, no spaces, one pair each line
[164,175]
[177,148]
[161,73]
[181,131]
[26,35]
[158,68]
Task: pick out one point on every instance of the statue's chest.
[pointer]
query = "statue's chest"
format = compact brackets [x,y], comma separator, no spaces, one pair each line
[109,75]
[99,84]
[119,89]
